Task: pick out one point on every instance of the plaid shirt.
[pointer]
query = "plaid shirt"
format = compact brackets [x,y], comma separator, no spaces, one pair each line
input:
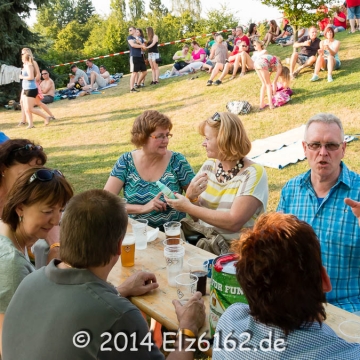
[337,229]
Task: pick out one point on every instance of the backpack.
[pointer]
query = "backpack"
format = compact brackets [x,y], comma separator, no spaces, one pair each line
[238,107]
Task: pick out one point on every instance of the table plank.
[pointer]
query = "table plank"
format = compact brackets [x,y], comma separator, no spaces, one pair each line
[158,303]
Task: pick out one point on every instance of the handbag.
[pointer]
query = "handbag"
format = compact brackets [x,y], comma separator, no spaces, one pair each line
[146,61]
[159,60]
[40,93]
[238,107]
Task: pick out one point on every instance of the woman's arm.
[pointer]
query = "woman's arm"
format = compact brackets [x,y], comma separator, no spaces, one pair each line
[212,52]
[38,75]
[114,185]
[202,57]
[336,48]
[242,209]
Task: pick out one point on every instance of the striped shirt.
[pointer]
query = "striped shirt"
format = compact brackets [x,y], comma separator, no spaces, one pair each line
[312,342]
[220,196]
[176,177]
[337,229]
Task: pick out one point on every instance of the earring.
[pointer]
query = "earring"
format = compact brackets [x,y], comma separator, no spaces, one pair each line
[20,218]
[2,175]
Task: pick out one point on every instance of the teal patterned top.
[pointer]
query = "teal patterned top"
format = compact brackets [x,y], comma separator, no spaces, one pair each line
[177,175]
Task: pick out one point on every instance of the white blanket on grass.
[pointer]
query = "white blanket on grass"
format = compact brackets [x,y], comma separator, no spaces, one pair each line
[282,149]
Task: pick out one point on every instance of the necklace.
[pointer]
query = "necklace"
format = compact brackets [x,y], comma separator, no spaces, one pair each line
[18,243]
[224,176]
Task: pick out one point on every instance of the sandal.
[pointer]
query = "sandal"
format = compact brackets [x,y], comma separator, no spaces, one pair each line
[264,107]
[30,127]
[52,118]
[21,123]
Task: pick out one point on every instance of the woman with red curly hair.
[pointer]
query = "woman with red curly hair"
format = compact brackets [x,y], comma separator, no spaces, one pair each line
[281,274]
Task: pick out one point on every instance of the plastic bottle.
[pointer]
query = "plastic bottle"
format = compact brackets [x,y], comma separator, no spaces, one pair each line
[165,190]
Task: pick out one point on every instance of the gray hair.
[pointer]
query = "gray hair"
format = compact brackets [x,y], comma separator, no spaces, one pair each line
[325,118]
[219,38]
[240,28]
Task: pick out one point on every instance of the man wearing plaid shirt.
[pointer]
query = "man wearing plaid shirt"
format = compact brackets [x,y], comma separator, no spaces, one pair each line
[317,197]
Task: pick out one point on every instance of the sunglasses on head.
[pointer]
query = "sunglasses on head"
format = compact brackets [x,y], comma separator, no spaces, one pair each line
[45,175]
[216,117]
[29,147]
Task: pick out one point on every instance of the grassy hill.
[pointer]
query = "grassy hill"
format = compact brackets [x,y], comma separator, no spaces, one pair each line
[91,132]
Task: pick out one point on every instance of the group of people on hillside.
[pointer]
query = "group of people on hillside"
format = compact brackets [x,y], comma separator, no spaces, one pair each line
[287,260]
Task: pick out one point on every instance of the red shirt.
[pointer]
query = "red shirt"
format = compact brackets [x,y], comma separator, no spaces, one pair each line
[352,3]
[338,22]
[246,39]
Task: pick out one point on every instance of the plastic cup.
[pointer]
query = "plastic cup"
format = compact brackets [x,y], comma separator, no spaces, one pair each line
[128,250]
[199,266]
[186,284]
[140,232]
[172,229]
[173,241]
[174,257]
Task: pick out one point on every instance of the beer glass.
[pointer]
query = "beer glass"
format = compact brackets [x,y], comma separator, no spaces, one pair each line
[128,250]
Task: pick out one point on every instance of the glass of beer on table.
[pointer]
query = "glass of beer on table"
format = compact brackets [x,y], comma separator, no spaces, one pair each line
[172,230]
[199,266]
[128,250]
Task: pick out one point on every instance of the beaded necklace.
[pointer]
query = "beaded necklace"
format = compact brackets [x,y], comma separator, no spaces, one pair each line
[228,175]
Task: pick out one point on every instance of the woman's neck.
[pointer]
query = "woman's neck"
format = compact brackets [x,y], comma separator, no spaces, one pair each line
[228,164]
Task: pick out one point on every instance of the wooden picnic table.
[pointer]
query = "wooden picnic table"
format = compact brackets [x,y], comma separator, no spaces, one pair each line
[158,303]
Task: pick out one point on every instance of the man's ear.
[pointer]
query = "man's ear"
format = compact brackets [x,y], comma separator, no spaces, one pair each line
[326,283]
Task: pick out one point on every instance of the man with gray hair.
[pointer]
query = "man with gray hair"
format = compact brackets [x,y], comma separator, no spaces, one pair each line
[317,197]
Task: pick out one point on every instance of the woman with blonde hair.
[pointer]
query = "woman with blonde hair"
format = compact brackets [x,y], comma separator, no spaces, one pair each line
[153,54]
[230,191]
[273,32]
[218,56]
[37,98]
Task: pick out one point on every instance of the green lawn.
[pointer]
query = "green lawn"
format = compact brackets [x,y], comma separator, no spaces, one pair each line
[90,133]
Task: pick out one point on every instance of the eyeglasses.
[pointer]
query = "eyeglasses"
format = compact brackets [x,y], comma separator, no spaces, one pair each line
[216,117]
[45,175]
[44,73]
[162,136]
[29,147]
[328,146]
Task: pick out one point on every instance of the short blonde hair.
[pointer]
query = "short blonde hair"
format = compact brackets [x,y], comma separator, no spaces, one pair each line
[232,140]
[219,39]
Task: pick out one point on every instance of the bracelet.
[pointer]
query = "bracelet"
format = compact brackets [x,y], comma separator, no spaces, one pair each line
[186,332]
[192,200]
[54,245]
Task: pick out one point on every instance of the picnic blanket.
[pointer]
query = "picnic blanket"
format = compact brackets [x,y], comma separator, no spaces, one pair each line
[282,149]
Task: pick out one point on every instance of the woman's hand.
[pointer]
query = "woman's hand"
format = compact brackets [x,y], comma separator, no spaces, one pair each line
[180,204]
[154,205]
[197,186]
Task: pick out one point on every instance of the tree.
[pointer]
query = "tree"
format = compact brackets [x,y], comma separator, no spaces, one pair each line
[54,17]
[83,11]
[118,8]
[137,9]
[158,8]
[192,6]
[300,13]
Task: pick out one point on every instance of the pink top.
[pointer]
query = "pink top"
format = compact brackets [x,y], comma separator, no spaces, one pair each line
[196,56]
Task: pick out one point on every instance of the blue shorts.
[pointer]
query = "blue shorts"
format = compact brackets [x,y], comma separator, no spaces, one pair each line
[283,40]
[337,64]
[353,12]
[302,59]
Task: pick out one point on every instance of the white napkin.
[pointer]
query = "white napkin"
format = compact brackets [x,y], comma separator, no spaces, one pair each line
[152,235]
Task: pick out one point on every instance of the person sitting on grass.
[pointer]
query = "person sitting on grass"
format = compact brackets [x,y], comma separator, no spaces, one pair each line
[218,55]
[271,35]
[286,34]
[245,61]
[328,55]
[229,65]
[78,73]
[282,276]
[182,58]
[307,56]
